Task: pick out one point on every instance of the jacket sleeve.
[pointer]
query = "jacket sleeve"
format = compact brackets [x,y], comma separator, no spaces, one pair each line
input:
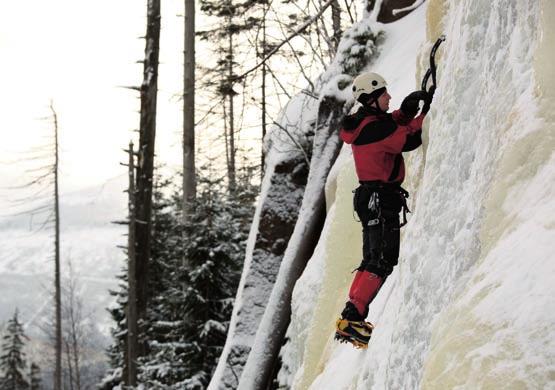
[415,125]
[414,140]
[405,138]
[400,118]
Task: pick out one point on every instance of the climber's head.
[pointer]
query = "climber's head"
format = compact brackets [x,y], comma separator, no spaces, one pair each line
[370,90]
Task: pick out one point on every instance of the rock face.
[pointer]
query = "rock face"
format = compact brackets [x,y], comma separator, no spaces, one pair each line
[389,9]
[276,220]
[261,364]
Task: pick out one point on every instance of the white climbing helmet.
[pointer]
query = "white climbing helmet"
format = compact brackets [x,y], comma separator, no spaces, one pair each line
[367,83]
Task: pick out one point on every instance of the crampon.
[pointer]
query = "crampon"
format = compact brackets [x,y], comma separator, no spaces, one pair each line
[355,332]
[349,339]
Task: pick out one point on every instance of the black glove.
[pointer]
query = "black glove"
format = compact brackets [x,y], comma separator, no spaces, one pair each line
[426,107]
[409,107]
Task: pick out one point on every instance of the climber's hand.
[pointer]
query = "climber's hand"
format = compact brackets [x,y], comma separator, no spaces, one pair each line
[409,107]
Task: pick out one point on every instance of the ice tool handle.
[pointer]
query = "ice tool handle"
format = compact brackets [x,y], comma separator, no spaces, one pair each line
[432,69]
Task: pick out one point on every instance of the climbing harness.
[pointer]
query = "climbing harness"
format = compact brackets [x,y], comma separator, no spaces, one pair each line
[374,204]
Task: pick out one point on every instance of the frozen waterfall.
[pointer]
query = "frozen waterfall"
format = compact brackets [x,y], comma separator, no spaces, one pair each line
[471,303]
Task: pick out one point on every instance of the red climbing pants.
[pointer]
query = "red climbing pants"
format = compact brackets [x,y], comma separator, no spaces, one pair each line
[364,288]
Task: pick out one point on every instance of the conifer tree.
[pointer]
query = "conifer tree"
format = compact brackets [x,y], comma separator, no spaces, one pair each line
[12,359]
[34,377]
[163,242]
[207,302]
[161,367]
[191,310]
[186,326]
[117,351]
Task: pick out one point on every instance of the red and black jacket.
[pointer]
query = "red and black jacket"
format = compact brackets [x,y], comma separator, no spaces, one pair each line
[378,140]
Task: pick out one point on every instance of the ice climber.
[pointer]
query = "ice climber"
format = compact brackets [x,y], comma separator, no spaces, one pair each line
[378,139]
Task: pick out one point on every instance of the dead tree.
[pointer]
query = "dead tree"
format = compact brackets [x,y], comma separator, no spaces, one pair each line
[296,32]
[189,178]
[48,175]
[132,341]
[76,333]
[74,329]
[336,23]
[57,287]
[264,71]
[231,94]
[143,197]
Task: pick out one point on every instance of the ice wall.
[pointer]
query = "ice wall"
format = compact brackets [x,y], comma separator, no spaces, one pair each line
[499,328]
[470,305]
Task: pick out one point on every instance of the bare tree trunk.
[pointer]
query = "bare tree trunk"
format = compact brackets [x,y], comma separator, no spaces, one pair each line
[74,315]
[57,287]
[189,179]
[145,168]
[70,368]
[76,351]
[231,172]
[225,135]
[132,345]
[336,22]
[263,90]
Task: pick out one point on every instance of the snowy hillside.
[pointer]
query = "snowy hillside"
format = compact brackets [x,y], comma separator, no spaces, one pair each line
[471,304]
[89,239]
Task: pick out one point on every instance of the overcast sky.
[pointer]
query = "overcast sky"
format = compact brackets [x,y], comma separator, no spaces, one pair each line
[79,54]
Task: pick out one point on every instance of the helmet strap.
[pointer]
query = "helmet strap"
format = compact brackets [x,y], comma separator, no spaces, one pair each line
[376,105]
[374,96]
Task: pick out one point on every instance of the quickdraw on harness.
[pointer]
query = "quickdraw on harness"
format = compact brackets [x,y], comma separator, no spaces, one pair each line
[404,194]
[432,69]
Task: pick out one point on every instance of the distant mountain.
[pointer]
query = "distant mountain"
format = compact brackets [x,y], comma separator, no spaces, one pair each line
[89,240]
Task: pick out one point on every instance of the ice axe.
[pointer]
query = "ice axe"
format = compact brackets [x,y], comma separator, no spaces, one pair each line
[431,72]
